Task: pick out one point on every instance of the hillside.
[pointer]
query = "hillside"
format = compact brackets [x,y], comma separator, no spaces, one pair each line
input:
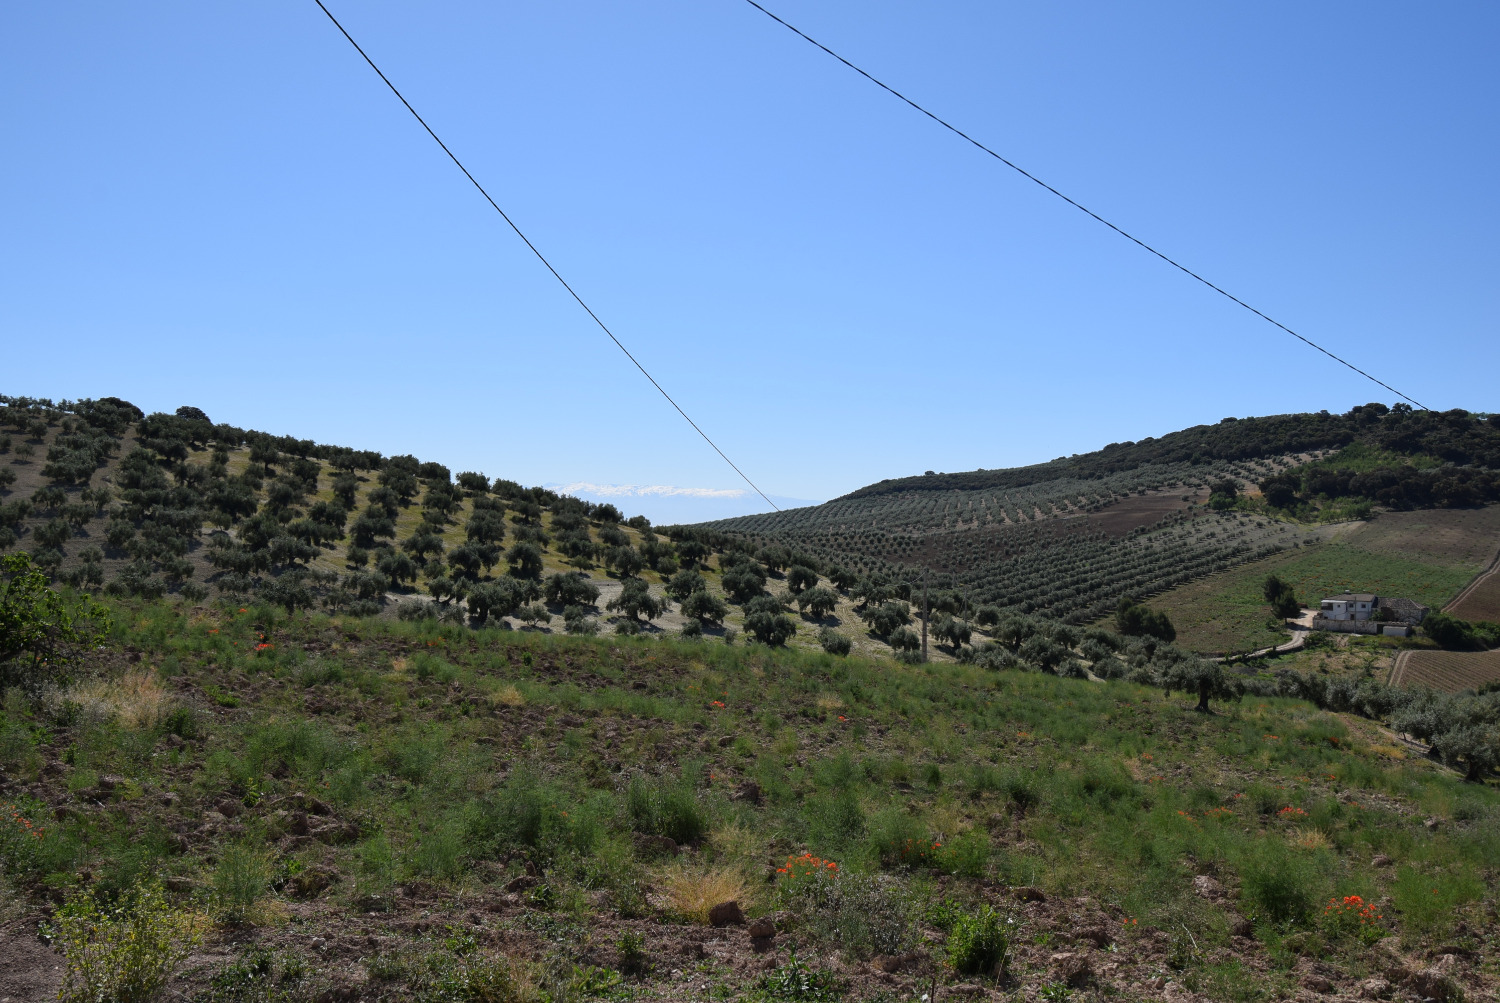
[1069,538]
[362,809]
[329,739]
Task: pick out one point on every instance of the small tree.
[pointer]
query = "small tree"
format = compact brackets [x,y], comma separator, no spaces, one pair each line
[742,583]
[904,639]
[39,626]
[525,560]
[1205,678]
[818,601]
[635,601]
[398,567]
[767,623]
[684,584]
[1135,620]
[570,589]
[799,578]
[833,642]
[705,606]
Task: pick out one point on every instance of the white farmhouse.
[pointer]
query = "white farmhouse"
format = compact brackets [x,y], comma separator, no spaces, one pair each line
[1348,606]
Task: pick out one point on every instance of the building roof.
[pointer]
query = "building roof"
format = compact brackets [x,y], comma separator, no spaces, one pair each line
[1351,597]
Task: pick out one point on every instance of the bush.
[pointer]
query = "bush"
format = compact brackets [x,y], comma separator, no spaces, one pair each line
[664,807]
[242,877]
[124,954]
[1278,884]
[864,914]
[833,642]
[979,943]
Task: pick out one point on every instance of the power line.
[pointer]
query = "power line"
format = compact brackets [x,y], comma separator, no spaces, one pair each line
[1082,208]
[540,257]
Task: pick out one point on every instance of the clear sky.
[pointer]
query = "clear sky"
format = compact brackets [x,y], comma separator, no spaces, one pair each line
[220,205]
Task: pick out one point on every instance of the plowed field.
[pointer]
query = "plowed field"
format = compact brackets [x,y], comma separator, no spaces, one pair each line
[1449,671]
[1481,601]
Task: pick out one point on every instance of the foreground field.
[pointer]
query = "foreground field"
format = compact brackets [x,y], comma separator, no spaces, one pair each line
[1427,556]
[357,809]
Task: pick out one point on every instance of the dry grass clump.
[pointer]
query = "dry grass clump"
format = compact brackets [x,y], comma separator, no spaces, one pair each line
[1308,839]
[830,702]
[507,696]
[693,893]
[136,699]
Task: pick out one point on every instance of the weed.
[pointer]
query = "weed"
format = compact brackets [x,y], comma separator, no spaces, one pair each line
[694,893]
[795,981]
[240,879]
[122,954]
[631,948]
[980,943]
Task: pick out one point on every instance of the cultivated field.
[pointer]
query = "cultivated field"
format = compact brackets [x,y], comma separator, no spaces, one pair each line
[1426,556]
[1449,671]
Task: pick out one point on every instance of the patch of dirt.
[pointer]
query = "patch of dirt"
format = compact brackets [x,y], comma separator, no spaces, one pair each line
[1119,518]
[30,971]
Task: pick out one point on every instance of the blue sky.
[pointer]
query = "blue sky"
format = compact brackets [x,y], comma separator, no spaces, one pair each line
[219,205]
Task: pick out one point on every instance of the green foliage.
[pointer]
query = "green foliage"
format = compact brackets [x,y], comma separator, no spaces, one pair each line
[980,943]
[124,953]
[664,806]
[1135,620]
[38,625]
[1453,632]
[795,981]
[833,642]
[636,601]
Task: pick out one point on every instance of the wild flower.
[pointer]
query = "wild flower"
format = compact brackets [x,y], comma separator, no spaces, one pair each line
[1352,915]
[18,818]
[719,703]
[806,866]
[1291,811]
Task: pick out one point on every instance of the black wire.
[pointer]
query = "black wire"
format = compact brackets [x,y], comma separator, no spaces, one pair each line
[540,256]
[1031,177]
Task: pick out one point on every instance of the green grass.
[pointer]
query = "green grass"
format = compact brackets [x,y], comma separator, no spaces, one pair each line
[462,758]
[1226,611]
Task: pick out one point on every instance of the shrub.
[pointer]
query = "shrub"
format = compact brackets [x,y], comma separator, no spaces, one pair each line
[863,914]
[1278,884]
[665,807]
[241,878]
[1351,916]
[979,943]
[795,981]
[833,642]
[124,954]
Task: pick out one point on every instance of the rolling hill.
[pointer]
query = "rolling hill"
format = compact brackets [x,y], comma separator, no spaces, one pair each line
[326,739]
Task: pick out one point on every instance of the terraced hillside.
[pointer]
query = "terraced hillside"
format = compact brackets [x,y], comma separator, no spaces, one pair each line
[1069,538]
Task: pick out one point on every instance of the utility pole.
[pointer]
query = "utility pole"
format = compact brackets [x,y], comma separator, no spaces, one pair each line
[924,614]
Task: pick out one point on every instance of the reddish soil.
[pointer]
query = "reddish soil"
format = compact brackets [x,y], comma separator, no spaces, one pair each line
[1135,512]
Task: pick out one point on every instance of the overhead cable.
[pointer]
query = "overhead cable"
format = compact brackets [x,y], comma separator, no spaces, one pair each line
[1076,205]
[540,257]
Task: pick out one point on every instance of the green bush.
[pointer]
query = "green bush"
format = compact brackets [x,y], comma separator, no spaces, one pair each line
[1279,884]
[833,642]
[124,954]
[665,807]
[240,879]
[979,943]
